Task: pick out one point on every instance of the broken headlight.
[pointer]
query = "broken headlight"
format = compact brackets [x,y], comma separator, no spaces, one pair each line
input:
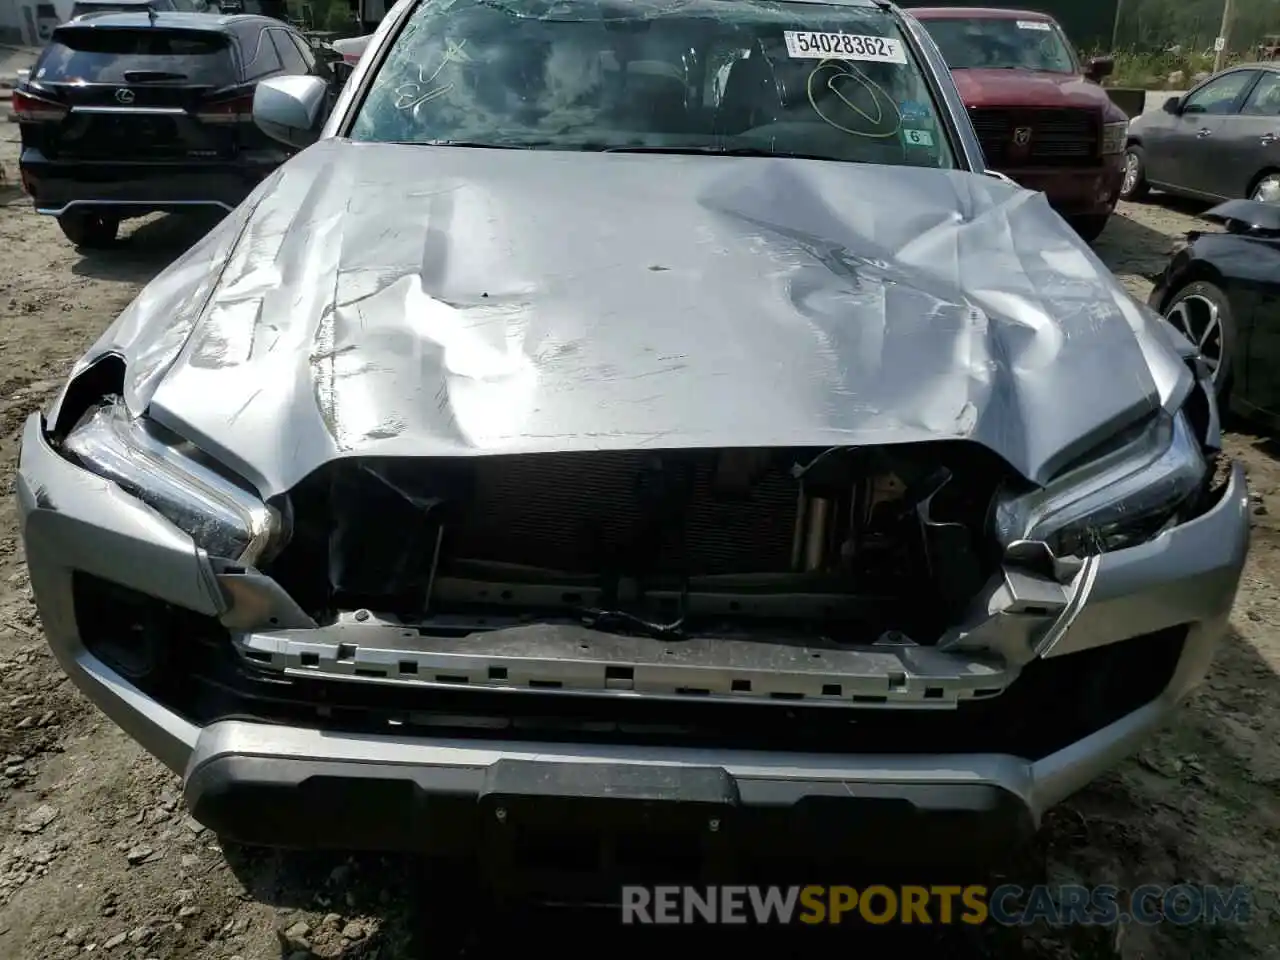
[223,518]
[1120,498]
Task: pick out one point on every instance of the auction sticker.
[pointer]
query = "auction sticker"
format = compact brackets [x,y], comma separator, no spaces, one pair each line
[918,138]
[915,110]
[1033,25]
[806,45]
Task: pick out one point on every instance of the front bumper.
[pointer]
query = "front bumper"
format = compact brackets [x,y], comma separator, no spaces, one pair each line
[294,784]
[1075,191]
[137,188]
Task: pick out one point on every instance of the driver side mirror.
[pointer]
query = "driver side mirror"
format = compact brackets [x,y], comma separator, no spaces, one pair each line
[1099,67]
[290,109]
[1173,105]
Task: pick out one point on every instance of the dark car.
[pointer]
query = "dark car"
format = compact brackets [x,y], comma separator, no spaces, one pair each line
[1219,141]
[82,8]
[1039,112]
[1223,291]
[126,114]
[265,8]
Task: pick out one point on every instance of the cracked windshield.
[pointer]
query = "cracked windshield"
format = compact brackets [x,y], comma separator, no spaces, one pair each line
[707,76]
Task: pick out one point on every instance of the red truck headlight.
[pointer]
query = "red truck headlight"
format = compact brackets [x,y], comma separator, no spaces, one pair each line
[1115,136]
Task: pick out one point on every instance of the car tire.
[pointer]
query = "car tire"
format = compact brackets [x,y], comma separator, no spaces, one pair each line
[89,230]
[1090,227]
[1266,188]
[1134,186]
[1192,311]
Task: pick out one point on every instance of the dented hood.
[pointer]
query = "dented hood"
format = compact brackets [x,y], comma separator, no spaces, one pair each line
[416,301]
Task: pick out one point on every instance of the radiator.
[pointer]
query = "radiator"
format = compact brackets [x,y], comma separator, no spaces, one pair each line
[623,513]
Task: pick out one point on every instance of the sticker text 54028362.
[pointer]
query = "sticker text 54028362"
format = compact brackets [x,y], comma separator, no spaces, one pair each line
[808,45]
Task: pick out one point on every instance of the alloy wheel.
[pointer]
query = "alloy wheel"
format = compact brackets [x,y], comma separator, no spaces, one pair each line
[1131,169]
[1198,319]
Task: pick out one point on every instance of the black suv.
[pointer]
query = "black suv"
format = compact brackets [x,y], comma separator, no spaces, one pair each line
[126,114]
[94,7]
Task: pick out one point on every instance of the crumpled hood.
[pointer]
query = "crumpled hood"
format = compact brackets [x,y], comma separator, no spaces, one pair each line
[414,301]
[1029,88]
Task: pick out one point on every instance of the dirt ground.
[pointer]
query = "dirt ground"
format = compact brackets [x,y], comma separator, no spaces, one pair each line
[98,856]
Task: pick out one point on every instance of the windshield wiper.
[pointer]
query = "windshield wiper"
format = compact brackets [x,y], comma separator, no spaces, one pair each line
[722,152]
[486,144]
[142,76]
[706,149]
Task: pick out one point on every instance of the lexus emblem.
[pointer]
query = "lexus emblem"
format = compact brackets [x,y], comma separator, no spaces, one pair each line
[1022,136]
[124,96]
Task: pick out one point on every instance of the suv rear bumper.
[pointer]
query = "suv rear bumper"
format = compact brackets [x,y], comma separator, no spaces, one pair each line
[1075,191]
[134,189]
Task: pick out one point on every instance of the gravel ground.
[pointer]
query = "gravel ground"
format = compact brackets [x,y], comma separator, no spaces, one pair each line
[97,854]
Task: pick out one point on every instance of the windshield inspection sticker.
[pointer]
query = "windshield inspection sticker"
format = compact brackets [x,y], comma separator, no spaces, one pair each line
[918,138]
[914,110]
[804,45]
[1033,25]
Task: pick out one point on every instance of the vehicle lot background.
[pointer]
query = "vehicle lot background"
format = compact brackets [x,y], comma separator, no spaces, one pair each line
[97,855]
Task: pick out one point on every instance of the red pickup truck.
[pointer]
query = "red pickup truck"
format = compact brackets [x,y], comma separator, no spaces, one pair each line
[1040,114]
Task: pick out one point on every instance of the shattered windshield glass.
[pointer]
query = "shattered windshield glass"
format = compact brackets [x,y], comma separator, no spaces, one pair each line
[836,82]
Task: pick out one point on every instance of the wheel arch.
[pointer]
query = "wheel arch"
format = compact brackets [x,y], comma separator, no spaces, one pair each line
[1196,271]
[1257,178]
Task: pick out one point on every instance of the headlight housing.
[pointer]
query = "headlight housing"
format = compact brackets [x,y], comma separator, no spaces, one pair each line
[224,519]
[1145,479]
[1115,136]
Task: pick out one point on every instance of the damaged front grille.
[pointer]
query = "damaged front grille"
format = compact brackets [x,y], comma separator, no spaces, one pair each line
[1050,704]
[570,659]
[841,544]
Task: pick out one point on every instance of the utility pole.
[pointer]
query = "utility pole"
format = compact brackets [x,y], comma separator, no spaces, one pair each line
[1115,28]
[1220,44]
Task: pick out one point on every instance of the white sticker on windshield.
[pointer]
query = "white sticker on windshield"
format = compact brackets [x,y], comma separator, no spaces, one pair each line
[1033,25]
[918,138]
[805,45]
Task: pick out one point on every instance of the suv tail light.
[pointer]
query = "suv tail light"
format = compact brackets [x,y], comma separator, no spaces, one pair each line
[236,110]
[32,109]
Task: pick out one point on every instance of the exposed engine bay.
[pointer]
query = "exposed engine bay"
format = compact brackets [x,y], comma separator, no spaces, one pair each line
[836,546]
[819,575]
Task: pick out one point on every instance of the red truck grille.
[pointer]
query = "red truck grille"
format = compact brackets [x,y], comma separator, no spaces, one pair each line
[1055,138]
